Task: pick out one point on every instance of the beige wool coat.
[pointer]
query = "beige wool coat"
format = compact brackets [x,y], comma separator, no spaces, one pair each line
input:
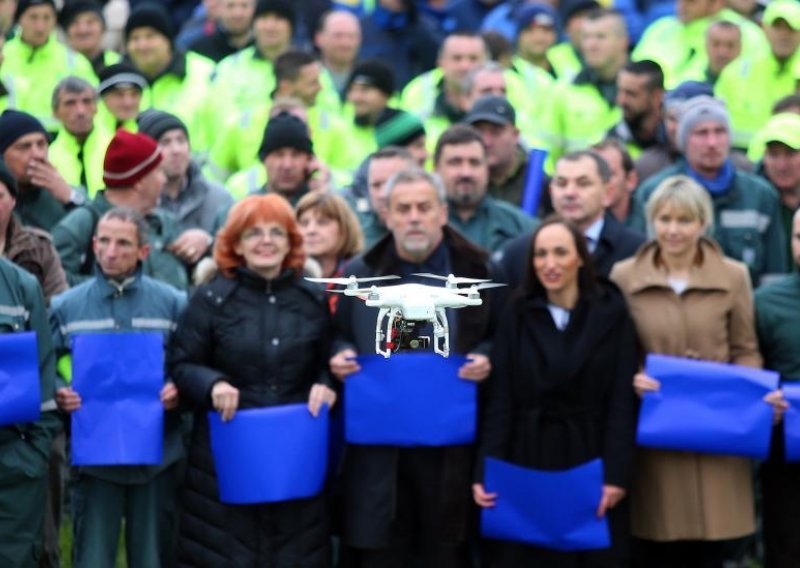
[685,495]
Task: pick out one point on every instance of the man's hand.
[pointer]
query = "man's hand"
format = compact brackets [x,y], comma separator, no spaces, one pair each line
[477,368]
[169,396]
[483,498]
[611,496]
[225,399]
[343,364]
[43,174]
[644,383]
[191,245]
[319,176]
[319,395]
[67,399]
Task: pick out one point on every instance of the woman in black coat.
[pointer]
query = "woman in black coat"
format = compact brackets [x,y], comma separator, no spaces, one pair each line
[560,391]
[257,335]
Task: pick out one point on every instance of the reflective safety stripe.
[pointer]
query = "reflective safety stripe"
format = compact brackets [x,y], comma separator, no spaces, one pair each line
[14,311]
[154,323]
[48,406]
[87,325]
[746,219]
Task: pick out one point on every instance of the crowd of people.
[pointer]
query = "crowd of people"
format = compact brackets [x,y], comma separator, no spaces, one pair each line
[631,171]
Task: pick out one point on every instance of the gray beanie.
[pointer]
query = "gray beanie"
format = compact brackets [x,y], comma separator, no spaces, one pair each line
[699,109]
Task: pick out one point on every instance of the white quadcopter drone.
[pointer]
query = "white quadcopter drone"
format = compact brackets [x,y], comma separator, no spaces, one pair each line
[407,305]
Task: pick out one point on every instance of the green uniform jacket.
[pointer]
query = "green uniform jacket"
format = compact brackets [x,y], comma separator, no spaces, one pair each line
[36,207]
[182,89]
[243,80]
[747,222]
[11,89]
[64,152]
[139,304]
[44,67]
[580,116]
[778,325]
[73,240]
[236,147]
[564,60]
[25,448]
[494,223]
[419,96]
[680,47]
[750,85]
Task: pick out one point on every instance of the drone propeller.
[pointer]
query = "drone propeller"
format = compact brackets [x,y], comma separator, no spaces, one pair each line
[480,286]
[351,280]
[450,279]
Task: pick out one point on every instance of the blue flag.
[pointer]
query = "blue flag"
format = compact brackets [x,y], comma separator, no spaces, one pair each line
[121,419]
[266,455]
[549,509]
[410,399]
[707,407]
[532,191]
[791,421]
[20,392]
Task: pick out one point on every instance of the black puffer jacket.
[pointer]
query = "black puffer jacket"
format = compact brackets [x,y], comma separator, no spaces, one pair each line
[269,339]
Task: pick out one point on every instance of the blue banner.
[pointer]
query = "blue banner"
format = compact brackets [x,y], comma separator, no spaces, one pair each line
[266,455]
[549,509]
[20,392]
[410,399]
[791,421]
[119,377]
[534,177]
[707,407]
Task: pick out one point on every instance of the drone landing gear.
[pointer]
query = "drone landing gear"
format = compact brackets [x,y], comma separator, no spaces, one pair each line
[400,333]
[441,331]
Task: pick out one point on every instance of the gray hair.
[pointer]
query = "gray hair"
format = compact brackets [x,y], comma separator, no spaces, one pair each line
[73,85]
[488,67]
[412,175]
[128,215]
[684,193]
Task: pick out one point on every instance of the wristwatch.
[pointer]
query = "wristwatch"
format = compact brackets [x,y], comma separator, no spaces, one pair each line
[76,198]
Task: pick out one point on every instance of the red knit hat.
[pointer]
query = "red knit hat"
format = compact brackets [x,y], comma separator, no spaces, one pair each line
[129,158]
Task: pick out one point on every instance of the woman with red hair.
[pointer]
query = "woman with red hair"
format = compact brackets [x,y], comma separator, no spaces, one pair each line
[257,335]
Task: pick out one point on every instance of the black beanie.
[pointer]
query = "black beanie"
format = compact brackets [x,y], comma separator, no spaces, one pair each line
[285,131]
[155,123]
[279,8]
[150,15]
[375,74]
[118,75]
[72,10]
[7,179]
[23,5]
[14,125]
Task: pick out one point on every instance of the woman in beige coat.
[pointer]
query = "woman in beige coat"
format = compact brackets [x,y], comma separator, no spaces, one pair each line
[687,299]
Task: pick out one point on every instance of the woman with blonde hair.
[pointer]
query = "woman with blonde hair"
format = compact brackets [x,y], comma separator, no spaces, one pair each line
[688,300]
[257,335]
[330,229]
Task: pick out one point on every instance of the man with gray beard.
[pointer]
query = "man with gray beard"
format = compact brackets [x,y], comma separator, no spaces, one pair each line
[461,161]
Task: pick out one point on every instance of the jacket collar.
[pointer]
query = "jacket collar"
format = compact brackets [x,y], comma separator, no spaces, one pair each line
[110,287]
[176,66]
[464,254]
[252,280]
[710,274]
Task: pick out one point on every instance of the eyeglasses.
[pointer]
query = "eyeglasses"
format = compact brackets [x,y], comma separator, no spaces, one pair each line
[257,234]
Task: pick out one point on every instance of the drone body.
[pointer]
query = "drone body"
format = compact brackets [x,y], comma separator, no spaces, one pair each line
[407,306]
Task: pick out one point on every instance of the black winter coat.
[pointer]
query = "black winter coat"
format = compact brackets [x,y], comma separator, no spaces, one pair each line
[270,340]
[557,399]
[370,471]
